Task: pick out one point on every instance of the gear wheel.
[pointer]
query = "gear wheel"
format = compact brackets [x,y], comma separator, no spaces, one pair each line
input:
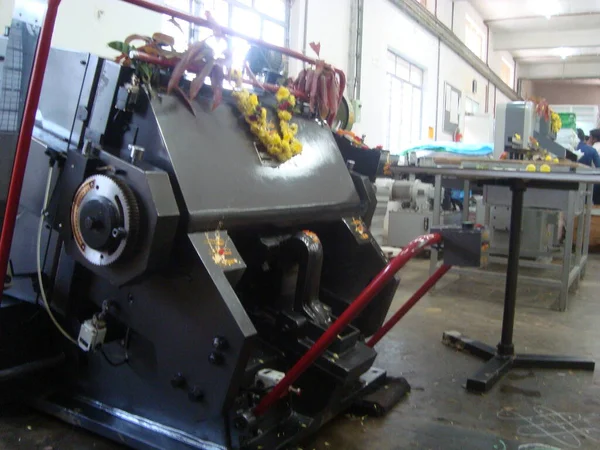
[105,219]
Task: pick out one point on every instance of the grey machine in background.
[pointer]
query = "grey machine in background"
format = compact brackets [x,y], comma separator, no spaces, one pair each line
[411,211]
[541,224]
[521,118]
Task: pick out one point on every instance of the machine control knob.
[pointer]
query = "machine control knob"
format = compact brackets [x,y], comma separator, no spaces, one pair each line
[92,222]
[220,343]
[98,218]
[468,225]
[216,358]
[178,381]
[196,394]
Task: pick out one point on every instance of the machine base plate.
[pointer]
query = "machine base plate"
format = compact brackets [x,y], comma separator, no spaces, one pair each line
[118,425]
[381,401]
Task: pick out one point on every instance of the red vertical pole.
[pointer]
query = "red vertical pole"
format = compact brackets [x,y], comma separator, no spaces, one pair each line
[24,141]
[408,305]
[363,299]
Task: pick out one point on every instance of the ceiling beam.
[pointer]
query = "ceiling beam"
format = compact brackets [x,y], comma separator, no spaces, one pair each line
[492,22]
[509,41]
[559,70]
[544,59]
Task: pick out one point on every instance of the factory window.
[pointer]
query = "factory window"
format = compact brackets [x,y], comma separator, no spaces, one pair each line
[262,19]
[474,38]
[179,29]
[471,106]
[507,72]
[402,127]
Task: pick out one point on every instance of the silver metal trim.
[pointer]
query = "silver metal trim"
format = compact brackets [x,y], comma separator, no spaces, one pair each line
[170,432]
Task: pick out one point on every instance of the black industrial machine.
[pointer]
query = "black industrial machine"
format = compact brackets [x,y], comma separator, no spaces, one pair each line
[185,275]
[165,278]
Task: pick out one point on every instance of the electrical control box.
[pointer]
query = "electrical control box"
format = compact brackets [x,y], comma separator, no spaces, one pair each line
[91,335]
[464,245]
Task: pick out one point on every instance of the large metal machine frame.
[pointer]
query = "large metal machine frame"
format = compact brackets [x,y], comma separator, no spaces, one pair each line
[184,309]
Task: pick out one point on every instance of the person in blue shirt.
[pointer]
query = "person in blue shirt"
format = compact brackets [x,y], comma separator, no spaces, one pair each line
[590,156]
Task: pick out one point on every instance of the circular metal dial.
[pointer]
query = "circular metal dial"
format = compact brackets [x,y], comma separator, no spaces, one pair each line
[104,219]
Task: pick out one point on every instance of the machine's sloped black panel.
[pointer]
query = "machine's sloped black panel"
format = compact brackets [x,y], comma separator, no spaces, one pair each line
[222,178]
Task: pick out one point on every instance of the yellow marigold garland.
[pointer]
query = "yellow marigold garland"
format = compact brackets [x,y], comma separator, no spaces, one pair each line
[281,144]
[555,122]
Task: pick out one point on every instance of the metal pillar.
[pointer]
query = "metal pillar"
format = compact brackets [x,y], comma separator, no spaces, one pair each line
[506,346]
[587,220]
[563,297]
[466,199]
[436,220]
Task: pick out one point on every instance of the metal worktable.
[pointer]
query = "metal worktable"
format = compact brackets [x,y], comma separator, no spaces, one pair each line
[572,264]
[502,358]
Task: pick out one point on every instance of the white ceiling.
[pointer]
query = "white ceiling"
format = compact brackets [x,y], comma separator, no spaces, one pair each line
[584,81]
[538,23]
[510,9]
[544,31]
[551,54]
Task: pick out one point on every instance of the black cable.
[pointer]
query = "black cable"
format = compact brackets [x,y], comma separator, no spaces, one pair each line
[55,210]
[79,103]
[112,363]
[125,359]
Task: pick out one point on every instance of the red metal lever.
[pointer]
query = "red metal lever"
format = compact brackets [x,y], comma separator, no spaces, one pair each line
[24,142]
[408,305]
[363,299]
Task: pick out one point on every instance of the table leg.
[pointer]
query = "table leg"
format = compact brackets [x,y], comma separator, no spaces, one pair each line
[587,223]
[436,219]
[567,253]
[506,347]
[503,358]
[578,262]
[466,200]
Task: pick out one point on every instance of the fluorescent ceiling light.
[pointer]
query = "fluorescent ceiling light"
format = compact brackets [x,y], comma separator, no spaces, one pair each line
[546,8]
[564,52]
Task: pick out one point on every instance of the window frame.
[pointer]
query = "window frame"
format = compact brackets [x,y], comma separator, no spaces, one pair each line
[390,77]
[196,7]
[472,27]
[504,63]
[471,102]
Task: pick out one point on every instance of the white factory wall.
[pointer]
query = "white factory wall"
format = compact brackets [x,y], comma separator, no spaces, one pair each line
[444,10]
[334,35]
[6,9]
[386,27]
[456,72]
[463,12]
[88,25]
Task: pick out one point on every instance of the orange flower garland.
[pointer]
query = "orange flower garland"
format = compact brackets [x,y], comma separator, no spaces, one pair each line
[282,143]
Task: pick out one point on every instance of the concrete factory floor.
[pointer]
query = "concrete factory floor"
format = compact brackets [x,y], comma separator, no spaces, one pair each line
[527,410]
